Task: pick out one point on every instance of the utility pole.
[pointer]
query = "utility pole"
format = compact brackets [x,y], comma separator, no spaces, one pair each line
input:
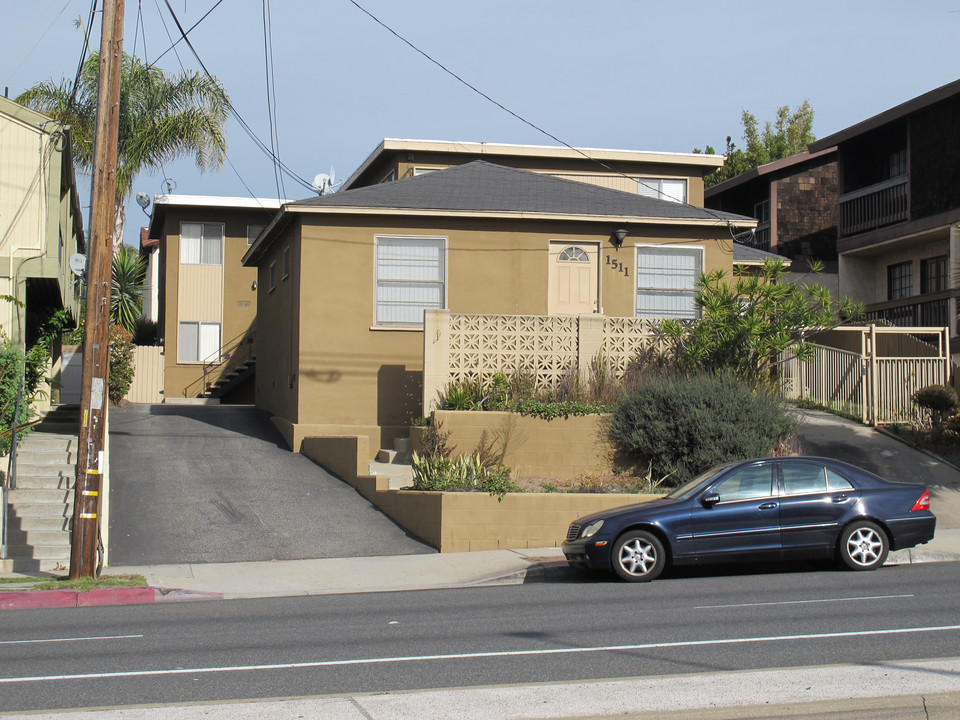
[96,338]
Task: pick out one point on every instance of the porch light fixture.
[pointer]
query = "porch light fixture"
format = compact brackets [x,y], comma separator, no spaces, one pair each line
[618,237]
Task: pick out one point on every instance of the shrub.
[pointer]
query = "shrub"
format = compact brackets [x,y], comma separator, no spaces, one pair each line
[466,473]
[121,364]
[684,426]
[12,364]
[940,400]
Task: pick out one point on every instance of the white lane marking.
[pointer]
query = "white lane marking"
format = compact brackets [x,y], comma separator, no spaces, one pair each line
[802,602]
[474,655]
[69,639]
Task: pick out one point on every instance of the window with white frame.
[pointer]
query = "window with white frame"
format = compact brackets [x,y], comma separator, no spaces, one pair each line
[666,281]
[253,231]
[286,263]
[198,342]
[201,243]
[411,277]
[672,189]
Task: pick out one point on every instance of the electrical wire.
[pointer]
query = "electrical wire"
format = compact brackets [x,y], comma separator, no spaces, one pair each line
[233,111]
[83,52]
[271,87]
[522,119]
[174,43]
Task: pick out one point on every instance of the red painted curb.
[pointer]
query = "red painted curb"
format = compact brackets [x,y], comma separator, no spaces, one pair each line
[33,599]
[116,596]
[24,599]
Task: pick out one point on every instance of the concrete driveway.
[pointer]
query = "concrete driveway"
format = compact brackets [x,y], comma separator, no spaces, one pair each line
[827,435]
[206,484]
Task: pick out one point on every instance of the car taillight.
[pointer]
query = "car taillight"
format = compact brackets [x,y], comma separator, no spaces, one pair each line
[923,503]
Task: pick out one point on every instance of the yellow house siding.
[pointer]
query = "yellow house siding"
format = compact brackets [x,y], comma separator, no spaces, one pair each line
[200,296]
[24,160]
[354,377]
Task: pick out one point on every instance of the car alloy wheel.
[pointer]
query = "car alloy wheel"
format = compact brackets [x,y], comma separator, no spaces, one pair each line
[863,546]
[638,556]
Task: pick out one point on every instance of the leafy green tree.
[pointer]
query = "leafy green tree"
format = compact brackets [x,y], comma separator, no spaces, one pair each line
[787,135]
[162,118]
[746,324]
[126,287]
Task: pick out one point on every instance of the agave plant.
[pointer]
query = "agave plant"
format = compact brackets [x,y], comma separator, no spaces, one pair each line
[126,288]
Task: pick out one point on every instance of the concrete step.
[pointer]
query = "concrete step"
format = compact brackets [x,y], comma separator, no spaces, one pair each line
[58,481]
[29,496]
[46,469]
[386,456]
[39,552]
[49,442]
[29,456]
[26,566]
[38,537]
[40,510]
[40,523]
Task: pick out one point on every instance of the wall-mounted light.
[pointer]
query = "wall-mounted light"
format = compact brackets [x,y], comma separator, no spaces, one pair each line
[618,237]
[253,285]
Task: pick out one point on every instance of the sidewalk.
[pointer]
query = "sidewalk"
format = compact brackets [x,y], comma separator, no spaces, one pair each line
[203,581]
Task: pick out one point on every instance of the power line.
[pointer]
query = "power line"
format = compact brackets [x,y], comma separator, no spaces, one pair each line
[233,110]
[522,119]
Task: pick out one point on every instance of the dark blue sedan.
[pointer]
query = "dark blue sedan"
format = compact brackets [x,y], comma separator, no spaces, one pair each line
[771,509]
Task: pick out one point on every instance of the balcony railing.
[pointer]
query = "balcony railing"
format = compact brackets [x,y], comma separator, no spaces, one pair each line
[914,313]
[874,206]
[759,238]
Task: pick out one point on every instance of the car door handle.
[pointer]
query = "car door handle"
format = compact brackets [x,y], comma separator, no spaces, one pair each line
[768,506]
[840,498]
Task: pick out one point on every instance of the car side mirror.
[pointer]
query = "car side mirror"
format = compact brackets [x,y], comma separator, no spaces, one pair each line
[711,499]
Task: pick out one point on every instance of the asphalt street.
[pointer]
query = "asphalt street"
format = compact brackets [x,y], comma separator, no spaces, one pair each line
[218,484]
[594,630]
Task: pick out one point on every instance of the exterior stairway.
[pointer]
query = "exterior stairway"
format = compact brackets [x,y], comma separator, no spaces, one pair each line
[41,506]
[394,464]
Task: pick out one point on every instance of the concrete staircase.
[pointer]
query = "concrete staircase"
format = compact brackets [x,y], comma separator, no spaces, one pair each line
[41,506]
[395,464]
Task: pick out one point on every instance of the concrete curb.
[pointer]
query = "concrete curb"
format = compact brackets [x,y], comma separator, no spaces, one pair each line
[99,597]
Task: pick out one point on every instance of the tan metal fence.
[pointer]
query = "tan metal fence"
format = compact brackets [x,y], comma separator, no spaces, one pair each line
[875,383]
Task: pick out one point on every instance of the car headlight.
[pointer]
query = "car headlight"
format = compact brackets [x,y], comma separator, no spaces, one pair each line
[591,529]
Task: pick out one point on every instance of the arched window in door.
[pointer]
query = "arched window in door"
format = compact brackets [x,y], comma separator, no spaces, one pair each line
[573,254]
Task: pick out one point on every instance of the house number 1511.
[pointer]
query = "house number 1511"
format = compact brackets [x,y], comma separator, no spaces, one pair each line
[618,266]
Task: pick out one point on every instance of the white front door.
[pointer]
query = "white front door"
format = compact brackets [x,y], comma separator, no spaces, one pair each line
[573,278]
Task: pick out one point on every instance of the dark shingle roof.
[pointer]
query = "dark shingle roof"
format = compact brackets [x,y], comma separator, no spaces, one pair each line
[746,255]
[483,187]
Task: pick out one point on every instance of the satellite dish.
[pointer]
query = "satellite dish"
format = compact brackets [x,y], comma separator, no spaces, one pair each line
[78,264]
[323,182]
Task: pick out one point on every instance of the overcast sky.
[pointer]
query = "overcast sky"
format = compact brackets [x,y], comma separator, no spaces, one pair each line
[627,74]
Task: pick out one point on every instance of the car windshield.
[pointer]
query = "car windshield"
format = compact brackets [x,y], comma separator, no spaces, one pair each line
[685,491]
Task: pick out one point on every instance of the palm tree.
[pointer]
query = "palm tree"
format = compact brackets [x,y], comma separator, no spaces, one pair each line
[162,118]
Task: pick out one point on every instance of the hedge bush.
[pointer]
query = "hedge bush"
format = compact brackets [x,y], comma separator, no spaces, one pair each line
[684,426]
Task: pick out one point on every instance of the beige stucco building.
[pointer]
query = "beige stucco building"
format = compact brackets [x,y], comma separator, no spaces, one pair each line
[40,221]
[343,280]
[206,298]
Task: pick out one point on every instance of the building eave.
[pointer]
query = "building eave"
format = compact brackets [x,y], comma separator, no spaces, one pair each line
[480,149]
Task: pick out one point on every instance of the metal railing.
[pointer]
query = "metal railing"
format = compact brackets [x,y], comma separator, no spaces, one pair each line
[237,352]
[870,383]
[10,481]
[875,206]
[758,238]
[918,313]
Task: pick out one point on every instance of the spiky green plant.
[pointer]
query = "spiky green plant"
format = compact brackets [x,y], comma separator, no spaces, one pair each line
[126,288]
